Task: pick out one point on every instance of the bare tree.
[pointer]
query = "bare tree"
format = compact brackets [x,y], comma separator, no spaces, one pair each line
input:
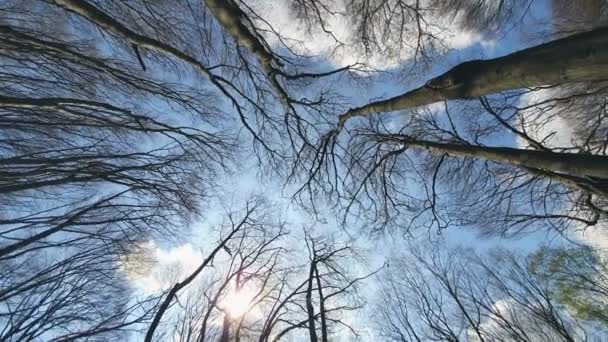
[456,295]
[252,249]
[80,296]
[318,302]
[118,118]
[373,169]
[259,291]
[91,166]
[567,60]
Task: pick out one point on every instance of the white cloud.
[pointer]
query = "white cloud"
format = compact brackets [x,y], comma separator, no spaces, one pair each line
[542,121]
[319,43]
[153,268]
[595,237]
[463,39]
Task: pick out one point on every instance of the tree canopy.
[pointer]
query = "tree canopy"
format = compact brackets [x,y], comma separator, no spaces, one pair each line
[195,170]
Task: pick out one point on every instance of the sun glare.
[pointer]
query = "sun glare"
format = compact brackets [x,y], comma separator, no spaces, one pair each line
[238,302]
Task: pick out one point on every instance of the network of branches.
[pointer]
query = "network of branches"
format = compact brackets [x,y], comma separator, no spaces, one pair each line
[122,124]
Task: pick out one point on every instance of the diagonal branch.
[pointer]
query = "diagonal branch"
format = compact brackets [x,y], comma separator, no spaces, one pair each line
[101,19]
[571,163]
[578,58]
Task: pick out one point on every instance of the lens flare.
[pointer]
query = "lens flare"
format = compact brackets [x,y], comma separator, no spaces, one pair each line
[238,302]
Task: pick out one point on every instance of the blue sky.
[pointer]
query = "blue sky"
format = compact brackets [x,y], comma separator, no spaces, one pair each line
[248,180]
[389,72]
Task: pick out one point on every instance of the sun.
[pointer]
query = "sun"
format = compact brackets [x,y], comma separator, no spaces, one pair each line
[238,302]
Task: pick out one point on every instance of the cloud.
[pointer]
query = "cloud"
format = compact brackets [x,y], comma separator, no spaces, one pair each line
[543,122]
[152,269]
[317,42]
[595,237]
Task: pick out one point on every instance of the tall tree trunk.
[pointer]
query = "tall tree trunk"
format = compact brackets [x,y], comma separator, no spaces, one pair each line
[309,307]
[321,306]
[231,17]
[225,329]
[578,58]
[569,163]
[237,288]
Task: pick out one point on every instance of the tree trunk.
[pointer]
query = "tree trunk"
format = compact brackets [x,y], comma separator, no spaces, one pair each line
[309,307]
[231,17]
[578,58]
[225,329]
[571,163]
[321,306]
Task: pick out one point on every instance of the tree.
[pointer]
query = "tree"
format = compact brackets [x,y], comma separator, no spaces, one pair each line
[376,161]
[90,167]
[457,295]
[79,296]
[259,291]
[252,244]
[121,120]
[579,278]
[100,151]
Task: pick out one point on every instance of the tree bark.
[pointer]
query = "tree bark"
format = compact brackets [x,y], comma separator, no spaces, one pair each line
[309,307]
[578,58]
[231,18]
[570,163]
[321,306]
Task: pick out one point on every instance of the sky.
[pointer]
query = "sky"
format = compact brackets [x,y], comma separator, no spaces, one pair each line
[164,260]
[186,254]
[464,45]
